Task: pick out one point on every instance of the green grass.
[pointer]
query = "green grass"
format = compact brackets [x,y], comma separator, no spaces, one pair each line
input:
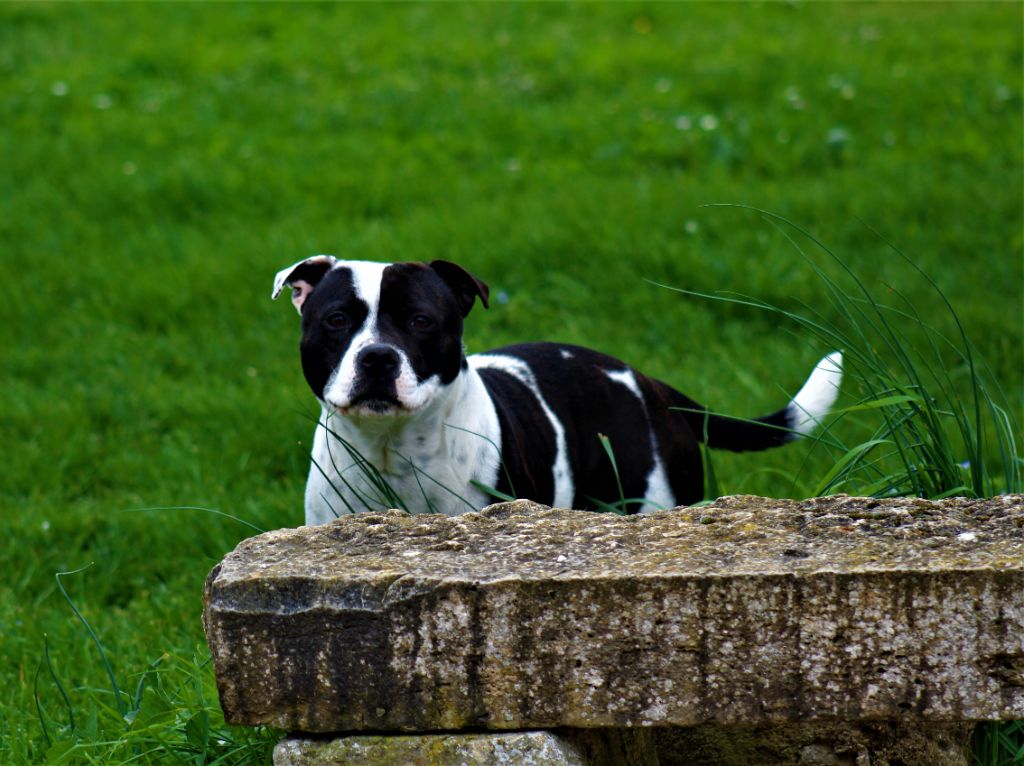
[158,164]
[938,424]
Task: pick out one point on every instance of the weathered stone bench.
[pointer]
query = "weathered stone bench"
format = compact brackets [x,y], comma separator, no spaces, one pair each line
[836,630]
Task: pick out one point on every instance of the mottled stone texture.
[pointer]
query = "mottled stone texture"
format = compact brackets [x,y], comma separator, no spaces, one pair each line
[749,611]
[880,743]
[520,748]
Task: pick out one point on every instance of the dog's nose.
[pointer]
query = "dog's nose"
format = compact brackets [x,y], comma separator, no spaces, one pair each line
[378,359]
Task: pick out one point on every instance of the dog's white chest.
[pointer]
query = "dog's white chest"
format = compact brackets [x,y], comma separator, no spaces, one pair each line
[435,463]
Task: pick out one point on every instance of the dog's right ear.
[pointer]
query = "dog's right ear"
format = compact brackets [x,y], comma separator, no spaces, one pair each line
[302,277]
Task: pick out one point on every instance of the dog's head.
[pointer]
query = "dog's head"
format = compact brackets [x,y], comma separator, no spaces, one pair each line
[380,338]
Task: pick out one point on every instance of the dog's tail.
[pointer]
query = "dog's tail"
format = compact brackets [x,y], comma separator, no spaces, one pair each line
[798,418]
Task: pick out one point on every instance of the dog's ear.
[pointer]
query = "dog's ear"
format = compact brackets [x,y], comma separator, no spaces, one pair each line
[465,286]
[302,277]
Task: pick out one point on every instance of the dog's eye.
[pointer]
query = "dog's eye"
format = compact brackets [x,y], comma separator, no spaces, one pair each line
[336,321]
[421,322]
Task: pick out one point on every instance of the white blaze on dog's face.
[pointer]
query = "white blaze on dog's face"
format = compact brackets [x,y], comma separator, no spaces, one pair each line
[380,339]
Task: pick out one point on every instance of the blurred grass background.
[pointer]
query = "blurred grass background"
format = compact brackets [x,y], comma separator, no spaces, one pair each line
[158,164]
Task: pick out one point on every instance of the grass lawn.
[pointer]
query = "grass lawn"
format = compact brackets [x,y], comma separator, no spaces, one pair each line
[158,164]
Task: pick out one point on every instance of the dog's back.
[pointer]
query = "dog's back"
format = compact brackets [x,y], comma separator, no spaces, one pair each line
[568,412]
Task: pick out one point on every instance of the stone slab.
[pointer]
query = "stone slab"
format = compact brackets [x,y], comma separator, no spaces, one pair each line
[519,748]
[748,611]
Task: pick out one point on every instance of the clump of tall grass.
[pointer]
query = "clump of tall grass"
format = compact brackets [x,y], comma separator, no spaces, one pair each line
[169,714]
[369,489]
[929,419]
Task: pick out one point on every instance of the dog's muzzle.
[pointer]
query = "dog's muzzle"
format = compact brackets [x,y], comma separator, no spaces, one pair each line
[377,369]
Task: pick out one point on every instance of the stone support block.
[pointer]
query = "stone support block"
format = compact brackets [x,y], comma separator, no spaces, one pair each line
[518,748]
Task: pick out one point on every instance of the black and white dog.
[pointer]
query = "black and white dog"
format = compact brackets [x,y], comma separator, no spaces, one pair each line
[382,350]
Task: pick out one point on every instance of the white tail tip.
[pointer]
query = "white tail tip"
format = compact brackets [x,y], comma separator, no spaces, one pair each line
[815,399]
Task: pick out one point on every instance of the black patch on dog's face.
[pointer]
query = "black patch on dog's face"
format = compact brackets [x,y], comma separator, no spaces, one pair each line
[331,316]
[420,315]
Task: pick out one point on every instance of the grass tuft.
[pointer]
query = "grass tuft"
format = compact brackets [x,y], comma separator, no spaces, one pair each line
[998,744]
[936,425]
[173,717]
[115,690]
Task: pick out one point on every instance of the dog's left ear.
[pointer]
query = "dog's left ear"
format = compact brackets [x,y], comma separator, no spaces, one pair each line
[465,286]
[302,277]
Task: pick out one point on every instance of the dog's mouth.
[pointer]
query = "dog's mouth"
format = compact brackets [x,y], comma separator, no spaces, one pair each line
[372,404]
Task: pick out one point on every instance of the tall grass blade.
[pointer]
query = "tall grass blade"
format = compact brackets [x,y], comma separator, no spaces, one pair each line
[841,468]
[618,508]
[417,472]
[492,491]
[211,511]
[497,450]
[60,686]
[137,698]
[39,707]
[607,445]
[712,491]
[387,496]
[95,639]
[334,487]
[419,486]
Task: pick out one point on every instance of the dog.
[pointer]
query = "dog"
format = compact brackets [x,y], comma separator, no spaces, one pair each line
[409,421]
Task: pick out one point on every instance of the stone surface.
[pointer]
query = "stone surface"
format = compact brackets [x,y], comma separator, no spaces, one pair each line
[748,611]
[520,748]
[889,743]
[814,744]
